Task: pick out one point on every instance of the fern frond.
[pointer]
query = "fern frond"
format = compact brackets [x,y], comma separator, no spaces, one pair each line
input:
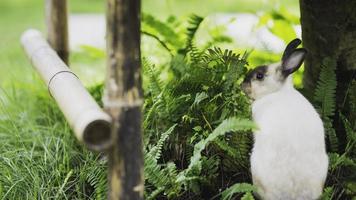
[199,97]
[237,150]
[350,132]
[195,54]
[352,102]
[228,125]
[324,97]
[236,69]
[155,84]
[247,196]
[160,31]
[350,135]
[155,193]
[194,23]
[97,178]
[327,193]
[153,172]
[326,88]
[156,151]
[161,177]
[151,111]
[210,167]
[232,152]
[178,66]
[237,188]
[331,134]
[337,161]
[218,55]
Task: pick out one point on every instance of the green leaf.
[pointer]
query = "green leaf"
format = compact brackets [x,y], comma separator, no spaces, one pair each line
[199,98]
[156,151]
[327,193]
[194,23]
[228,125]
[238,188]
[161,32]
[324,96]
[248,196]
[326,88]
[283,30]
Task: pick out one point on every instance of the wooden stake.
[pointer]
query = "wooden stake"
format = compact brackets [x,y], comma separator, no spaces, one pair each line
[89,122]
[57,27]
[123,99]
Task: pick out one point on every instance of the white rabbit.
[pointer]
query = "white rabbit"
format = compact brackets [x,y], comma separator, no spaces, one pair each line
[288,160]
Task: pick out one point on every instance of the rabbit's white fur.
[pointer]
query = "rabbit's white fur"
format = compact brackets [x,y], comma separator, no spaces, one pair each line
[288,161]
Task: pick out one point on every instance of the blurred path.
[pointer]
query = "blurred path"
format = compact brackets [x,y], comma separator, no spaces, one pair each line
[89,29]
[86,29]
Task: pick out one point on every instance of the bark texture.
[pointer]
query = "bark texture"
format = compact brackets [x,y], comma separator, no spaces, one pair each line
[57,27]
[123,99]
[329,30]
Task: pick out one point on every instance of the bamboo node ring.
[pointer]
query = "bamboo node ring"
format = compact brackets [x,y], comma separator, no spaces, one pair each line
[54,75]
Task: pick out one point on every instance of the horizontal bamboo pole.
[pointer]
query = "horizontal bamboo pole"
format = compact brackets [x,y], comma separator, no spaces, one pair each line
[90,123]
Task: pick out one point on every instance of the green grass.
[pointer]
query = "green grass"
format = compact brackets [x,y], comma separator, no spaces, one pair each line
[40,159]
[39,156]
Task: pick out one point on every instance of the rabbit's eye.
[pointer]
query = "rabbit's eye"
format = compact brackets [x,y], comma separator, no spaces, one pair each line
[259,76]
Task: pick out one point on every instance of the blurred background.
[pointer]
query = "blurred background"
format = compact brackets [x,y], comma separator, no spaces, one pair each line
[260,26]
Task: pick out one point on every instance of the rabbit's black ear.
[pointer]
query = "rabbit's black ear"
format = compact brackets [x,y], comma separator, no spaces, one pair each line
[291,47]
[292,63]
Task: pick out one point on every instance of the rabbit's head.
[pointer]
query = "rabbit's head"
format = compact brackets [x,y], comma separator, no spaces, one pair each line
[267,79]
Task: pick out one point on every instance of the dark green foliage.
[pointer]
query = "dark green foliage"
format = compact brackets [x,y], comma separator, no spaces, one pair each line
[162,32]
[166,33]
[352,103]
[200,94]
[342,162]
[197,132]
[194,22]
[238,188]
[325,99]
[96,92]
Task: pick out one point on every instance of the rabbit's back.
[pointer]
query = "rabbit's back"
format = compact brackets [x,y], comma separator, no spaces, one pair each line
[288,160]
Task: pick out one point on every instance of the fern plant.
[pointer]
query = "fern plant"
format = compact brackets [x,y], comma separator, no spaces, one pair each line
[239,188]
[197,136]
[342,162]
[197,127]
[325,99]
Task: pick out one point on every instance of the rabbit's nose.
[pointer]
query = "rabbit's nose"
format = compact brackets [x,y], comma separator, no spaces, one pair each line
[244,86]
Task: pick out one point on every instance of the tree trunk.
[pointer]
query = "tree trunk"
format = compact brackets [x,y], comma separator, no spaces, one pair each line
[123,99]
[57,27]
[329,30]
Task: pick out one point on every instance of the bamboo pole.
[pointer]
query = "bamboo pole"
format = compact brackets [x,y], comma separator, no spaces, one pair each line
[91,125]
[123,99]
[57,27]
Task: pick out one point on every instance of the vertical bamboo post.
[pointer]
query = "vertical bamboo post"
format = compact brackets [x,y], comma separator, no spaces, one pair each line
[123,99]
[57,27]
